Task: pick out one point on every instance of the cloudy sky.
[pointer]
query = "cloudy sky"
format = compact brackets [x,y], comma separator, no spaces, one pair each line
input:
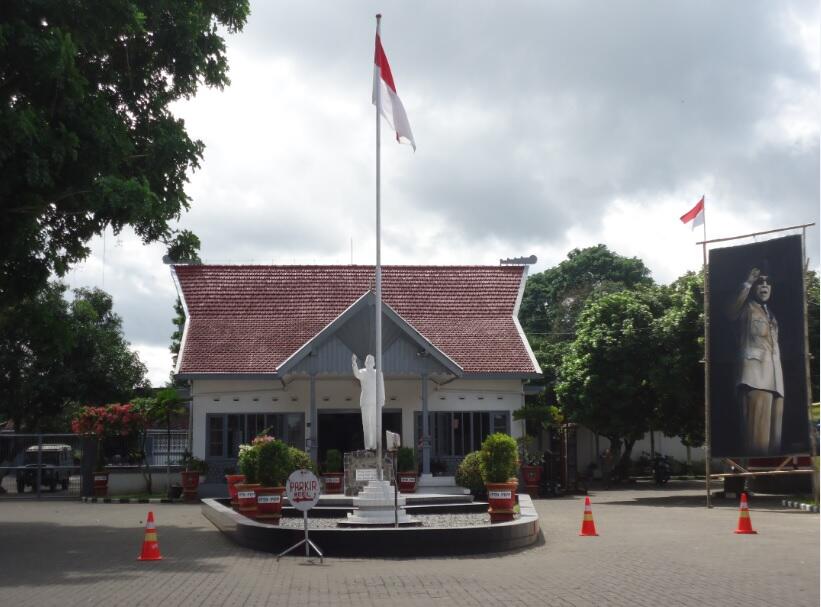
[540,126]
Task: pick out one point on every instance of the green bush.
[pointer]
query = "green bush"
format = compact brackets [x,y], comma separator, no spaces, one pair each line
[333,460]
[499,460]
[247,462]
[406,460]
[469,475]
[300,459]
[274,463]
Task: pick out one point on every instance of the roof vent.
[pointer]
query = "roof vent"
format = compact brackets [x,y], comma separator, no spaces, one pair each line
[518,261]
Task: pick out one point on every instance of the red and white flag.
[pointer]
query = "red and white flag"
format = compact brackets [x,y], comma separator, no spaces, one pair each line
[385,98]
[696,214]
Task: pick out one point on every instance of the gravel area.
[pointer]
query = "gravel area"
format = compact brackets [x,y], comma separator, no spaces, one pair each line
[477,519]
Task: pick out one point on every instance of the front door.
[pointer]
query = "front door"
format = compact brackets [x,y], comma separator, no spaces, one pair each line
[342,429]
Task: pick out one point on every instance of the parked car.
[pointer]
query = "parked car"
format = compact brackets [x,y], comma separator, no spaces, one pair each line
[55,467]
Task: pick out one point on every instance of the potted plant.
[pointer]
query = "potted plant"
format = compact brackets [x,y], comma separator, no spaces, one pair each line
[406,467]
[469,475]
[192,475]
[247,462]
[332,475]
[532,463]
[274,464]
[232,479]
[498,462]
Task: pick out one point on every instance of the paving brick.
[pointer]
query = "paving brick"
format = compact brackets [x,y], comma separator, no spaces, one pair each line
[655,546]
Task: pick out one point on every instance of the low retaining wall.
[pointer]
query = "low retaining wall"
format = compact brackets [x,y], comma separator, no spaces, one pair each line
[383,541]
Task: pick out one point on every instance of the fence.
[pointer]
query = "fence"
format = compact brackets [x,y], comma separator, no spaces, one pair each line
[49,465]
[157,450]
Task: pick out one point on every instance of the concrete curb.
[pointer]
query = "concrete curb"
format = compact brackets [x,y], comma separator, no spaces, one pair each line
[800,506]
[128,500]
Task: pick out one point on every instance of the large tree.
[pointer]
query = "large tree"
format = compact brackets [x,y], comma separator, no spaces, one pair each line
[87,139]
[677,374]
[54,354]
[553,300]
[604,380]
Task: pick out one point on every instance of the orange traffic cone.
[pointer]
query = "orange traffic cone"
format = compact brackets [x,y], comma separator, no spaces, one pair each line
[588,526]
[151,549]
[744,523]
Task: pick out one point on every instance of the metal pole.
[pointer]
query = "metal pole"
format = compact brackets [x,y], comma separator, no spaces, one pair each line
[813,446]
[307,542]
[707,424]
[378,311]
[39,464]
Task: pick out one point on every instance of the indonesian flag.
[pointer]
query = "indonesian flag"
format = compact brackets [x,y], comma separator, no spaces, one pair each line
[387,101]
[696,213]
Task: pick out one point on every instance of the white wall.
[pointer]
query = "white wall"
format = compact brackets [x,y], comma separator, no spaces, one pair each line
[254,396]
[664,445]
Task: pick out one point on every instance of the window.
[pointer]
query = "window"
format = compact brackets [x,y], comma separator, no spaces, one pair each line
[226,432]
[457,433]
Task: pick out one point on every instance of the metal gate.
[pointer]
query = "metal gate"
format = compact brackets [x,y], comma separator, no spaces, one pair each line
[40,465]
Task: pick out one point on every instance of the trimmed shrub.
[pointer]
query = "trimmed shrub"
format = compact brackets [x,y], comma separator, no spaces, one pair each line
[406,461]
[333,460]
[247,463]
[299,459]
[469,476]
[273,463]
[499,459]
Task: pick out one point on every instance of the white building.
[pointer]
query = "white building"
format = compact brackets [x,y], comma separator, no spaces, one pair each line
[270,347]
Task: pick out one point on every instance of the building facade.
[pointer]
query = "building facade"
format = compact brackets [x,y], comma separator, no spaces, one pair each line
[268,348]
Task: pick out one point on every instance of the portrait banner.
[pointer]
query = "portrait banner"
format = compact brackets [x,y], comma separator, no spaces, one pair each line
[758,388]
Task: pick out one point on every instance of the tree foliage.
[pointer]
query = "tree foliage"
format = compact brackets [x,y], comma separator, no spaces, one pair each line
[553,300]
[54,353]
[87,139]
[604,380]
[813,329]
[678,373]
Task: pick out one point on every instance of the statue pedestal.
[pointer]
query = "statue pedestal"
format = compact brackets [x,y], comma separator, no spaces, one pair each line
[375,506]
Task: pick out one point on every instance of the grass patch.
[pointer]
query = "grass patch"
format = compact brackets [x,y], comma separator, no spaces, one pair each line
[139,496]
[814,411]
[803,499]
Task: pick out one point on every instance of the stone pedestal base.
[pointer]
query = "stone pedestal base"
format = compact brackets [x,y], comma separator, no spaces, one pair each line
[375,506]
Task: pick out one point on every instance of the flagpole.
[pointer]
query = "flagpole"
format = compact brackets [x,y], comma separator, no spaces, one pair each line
[707,424]
[378,311]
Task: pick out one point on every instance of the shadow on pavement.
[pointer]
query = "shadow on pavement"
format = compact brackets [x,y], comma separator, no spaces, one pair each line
[38,553]
[756,501]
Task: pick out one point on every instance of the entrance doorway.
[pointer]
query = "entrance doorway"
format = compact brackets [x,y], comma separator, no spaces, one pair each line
[342,429]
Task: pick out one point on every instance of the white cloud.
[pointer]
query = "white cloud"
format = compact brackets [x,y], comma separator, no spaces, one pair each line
[541,127]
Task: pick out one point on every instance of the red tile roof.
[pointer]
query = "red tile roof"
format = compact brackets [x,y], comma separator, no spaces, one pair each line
[250,319]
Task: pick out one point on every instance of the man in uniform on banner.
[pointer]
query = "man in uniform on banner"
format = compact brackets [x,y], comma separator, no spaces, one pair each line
[759,376]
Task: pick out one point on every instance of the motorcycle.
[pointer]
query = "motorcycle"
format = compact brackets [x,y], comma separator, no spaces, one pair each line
[662,470]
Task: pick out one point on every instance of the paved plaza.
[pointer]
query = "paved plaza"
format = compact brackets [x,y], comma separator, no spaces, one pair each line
[656,546]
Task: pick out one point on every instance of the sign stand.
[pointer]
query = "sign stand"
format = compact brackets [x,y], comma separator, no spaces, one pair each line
[302,489]
[308,543]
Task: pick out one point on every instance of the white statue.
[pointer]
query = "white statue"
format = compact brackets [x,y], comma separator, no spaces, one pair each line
[370,400]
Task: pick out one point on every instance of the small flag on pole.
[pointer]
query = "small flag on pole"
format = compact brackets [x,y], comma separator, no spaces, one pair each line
[386,99]
[696,214]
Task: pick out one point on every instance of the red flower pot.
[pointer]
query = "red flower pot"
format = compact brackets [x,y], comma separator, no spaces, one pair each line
[232,480]
[100,484]
[269,504]
[334,482]
[501,498]
[247,499]
[407,482]
[531,476]
[190,483]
